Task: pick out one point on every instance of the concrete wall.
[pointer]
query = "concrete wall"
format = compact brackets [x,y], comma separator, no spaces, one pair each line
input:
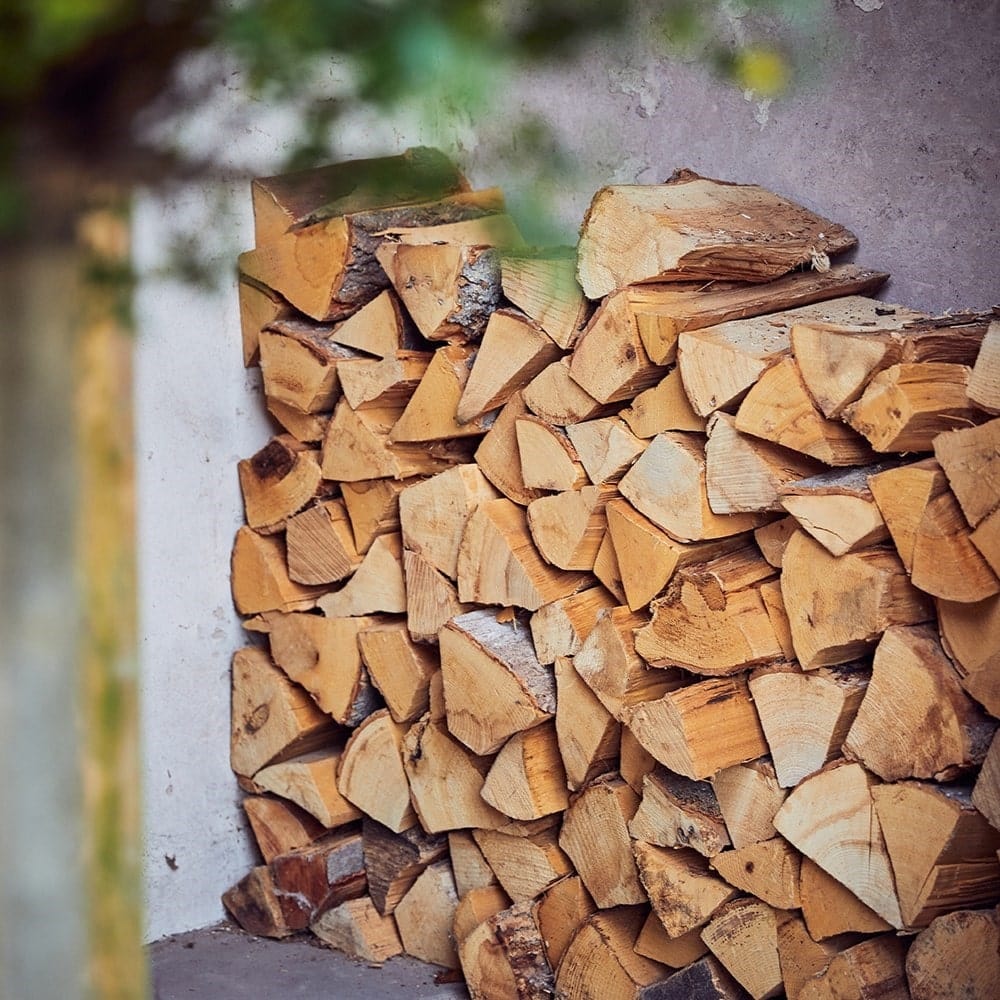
[894,136]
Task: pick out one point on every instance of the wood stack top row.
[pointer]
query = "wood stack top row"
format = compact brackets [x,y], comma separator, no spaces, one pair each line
[624,621]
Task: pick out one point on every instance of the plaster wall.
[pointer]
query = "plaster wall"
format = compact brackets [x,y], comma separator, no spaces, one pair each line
[894,135]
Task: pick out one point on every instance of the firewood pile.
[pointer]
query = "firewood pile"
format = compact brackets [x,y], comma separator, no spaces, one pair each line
[623,622]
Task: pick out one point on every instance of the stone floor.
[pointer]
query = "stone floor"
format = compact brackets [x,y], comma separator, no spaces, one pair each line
[224,963]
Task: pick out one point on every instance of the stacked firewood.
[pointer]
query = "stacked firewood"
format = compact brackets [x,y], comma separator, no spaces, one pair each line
[624,622]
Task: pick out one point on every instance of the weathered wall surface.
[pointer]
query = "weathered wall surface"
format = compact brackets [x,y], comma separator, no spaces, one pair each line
[894,135]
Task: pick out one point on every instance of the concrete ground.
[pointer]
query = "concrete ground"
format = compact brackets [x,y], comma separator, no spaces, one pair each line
[224,963]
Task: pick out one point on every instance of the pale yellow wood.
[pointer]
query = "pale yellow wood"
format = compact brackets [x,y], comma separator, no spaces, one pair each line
[958,955]
[309,428]
[970,458]
[749,795]
[549,461]
[431,598]
[607,570]
[568,528]
[654,942]
[662,407]
[400,668]
[378,327]
[768,870]
[830,909]
[772,538]
[544,285]
[588,734]
[527,779]
[425,916]
[277,482]
[743,936]
[872,968]
[606,448]
[373,508]
[298,364]
[499,458]
[801,957]
[970,634]
[310,781]
[279,826]
[634,761]
[259,576]
[356,928]
[259,306]
[984,382]
[559,912]
[394,860]
[377,584]
[526,863]
[986,793]
[560,628]
[369,383]
[320,544]
[472,871]
[554,396]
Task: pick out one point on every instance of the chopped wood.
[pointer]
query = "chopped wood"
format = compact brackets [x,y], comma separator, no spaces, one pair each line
[310,781]
[425,915]
[816,586]
[872,968]
[749,795]
[380,327]
[373,508]
[475,907]
[704,979]
[559,912]
[309,428]
[743,936]
[771,539]
[398,667]
[527,779]
[498,455]
[696,227]
[556,397]
[663,407]
[259,576]
[472,870]
[377,584]
[588,734]
[320,544]
[568,528]
[957,955]
[370,383]
[606,448]
[298,364]
[279,826]
[560,628]
[654,942]
[984,382]
[356,928]
[431,599]
[277,482]
[635,761]
[801,957]
[700,729]
[526,863]
[970,459]
[830,909]
[549,461]
[255,906]
[606,570]
[394,860]
[970,634]
[768,870]
[259,307]
[986,793]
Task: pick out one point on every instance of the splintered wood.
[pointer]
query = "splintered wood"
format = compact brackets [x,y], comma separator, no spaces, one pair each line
[623,623]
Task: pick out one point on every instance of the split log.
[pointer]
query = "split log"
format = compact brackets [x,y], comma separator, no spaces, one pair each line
[606,448]
[543,284]
[526,861]
[310,781]
[398,667]
[527,779]
[830,818]
[556,397]
[559,912]
[499,564]
[309,428]
[872,968]
[373,508]
[692,227]
[514,349]
[705,979]
[356,928]
[800,956]
[425,914]
[778,408]
[394,860]
[771,539]
[369,383]
[606,570]
[970,634]
[986,793]
[473,909]
[371,775]
[769,870]
[376,586]
[588,734]
[958,956]
[259,576]
[838,362]
[319,544]
[984,382]
[970,459]
[678,812]
[560,628]
[446,779]
[634,761]
[654,942]
[743,936]
[431,599]
[549,461]
[915,721]
[259,307]
[700,729]
[749,795]
[279,826]
[943,851]
[816,586]
[601,960]
[277,482]
[381,327]
[494,685]
[906,406]
[568,528]
[806,715]
[663,407]
[472,870]
[271,719]
[595,835]
[255,906]
[498,455]
[830,909]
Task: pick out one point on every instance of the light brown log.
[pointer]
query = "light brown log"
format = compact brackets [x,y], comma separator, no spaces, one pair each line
[380,328]
[678,812]
[433,514]
[549,460]
[984,382]
[431,599]
[400,668]
[320,544]
[527,779]
[693,227]
[816,586]
[986,538]
[259,307]
[768,870]
[668,485]
[471,869]
[611,668]
[700,729]
[986,793]
[525,863]
[806,715]
[259,576]
[560,628]
[830,909]
[373,508]
[720,363]
[958,956]
[595,836]
[370,383]
[970,459]
[272,718]
[601,961]
[743,936]
[662,407]
[634,762]
[499,564]
[309,428]
[543,283]
[749,795]
[609,360]
[943,851]
[902,495]
[371,774]
[394,860]
[568,528]
[683,892]
[559,912]
[970,634]
[588,735]
[357,447]
[494,685]
[872,968]
[838,508]
[772,538]
[830,818]
[606,570]
[377,584]
[915,720]
[906,406]
[554,396]
[514,349]
[800,956]
[774,604]
[778,408]
[499,458]
[704,979]
[425,915]
[310,781]
[356,928]
[838,362]
[298,364]
[606,448]
[475,907]
[279,826]
[504,958]
[654,942]
[712,619]
[445,780]
[255,906]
